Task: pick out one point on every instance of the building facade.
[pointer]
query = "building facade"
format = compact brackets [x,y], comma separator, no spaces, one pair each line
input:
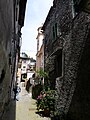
[10,36]
[26,67]
[40,49]
[67,56]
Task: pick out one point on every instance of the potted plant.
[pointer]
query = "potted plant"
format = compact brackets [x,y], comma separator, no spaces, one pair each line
[46,101]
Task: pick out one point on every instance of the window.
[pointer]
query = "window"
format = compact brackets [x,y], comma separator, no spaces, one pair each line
[59,66]
[55,31]
[24,66]
[2,76]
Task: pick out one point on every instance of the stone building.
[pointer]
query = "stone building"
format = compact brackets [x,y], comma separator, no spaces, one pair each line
[67,56]
[12,14]
[26,67]
[40,49]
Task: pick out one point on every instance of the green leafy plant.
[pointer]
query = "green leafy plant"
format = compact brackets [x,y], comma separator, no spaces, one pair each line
[46,100]
[41,73]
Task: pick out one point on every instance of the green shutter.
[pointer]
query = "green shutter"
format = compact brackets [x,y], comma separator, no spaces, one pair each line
[55,31]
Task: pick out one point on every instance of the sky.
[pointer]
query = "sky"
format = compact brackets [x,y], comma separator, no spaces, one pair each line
[36,13]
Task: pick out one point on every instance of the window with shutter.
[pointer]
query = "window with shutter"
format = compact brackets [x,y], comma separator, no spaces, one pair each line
[55,31]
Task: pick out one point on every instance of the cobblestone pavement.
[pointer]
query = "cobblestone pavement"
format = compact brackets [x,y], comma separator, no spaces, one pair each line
[24,109]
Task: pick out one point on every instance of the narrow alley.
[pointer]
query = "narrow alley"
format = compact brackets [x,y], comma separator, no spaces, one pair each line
[44,59]
[24,109]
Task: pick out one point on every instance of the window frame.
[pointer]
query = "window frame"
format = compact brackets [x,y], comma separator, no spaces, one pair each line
[55,31]
[62,64]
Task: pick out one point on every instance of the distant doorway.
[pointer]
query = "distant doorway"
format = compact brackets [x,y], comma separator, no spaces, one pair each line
[23,77]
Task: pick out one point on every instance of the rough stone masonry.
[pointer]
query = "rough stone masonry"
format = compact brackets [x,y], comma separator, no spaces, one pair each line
[73,99]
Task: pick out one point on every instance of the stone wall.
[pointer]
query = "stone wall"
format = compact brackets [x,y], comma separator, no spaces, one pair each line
[6,28]
[79,104]
[73,39]
[73,50]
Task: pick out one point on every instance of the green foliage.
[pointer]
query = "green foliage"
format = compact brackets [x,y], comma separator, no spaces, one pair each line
[46,100]
[41,73]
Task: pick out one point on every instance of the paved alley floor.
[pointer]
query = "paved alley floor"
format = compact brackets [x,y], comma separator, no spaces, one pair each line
[24,109]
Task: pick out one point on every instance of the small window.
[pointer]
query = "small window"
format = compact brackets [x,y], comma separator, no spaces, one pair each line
[59,64]
[55,31]
[24,66]
[2,76]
